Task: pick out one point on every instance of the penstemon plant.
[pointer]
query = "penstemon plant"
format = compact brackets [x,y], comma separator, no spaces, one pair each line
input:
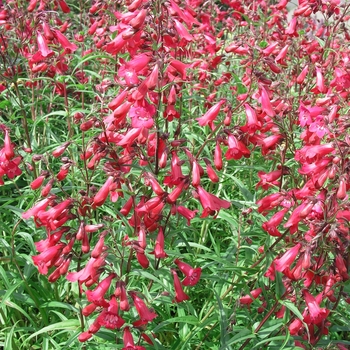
[138,118]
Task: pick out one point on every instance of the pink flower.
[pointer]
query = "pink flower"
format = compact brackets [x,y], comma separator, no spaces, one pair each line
[265,101]
[180,67]
[53,213]
[120,292]
[236,149]
[88,272]
[269,143]
[292,28]
[192,274]
[35,184]
[252,121]
[141,115]
[210,203]
[218,157]
[271,226]
[84,336]
[40,206]
[43,52]
[320,81]
[302,75]
[182,31]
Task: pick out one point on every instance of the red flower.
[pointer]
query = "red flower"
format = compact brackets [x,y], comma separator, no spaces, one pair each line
[218,157]
[129,341]
[37,182]
[287,258]
[316,314]
[182,31]
[265,102]
[180,295]
[42,205]
[186,213]
[47,258]
[252,121]
[90,271]
[120,292]
[210,115]
[271,226]
[97,295]
[102,194]
[210,203]
[158,251]
[142,259]
[64,42]
[236,149]
[248,299]
[192,274]
[146,315]
[110,318]
[84,336]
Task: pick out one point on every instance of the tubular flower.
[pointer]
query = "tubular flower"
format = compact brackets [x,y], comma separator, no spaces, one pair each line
[180,295]
[249,298]
[210,203]
[109,317]
[316,314]
[158,251]
[129,341]
[97,296]
[287,258]
[210,115]
[192,274]
[146,315]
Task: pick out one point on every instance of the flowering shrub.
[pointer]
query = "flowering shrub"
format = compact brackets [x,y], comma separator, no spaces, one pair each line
[147,126]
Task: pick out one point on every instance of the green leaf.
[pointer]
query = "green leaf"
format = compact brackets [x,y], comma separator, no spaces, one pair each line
[279,286]
[72,324]
[241,336]
[289,305]
[181,319]
[223,320]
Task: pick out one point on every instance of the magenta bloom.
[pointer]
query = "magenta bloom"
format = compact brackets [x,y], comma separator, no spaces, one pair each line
[192,274]
[102,194]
